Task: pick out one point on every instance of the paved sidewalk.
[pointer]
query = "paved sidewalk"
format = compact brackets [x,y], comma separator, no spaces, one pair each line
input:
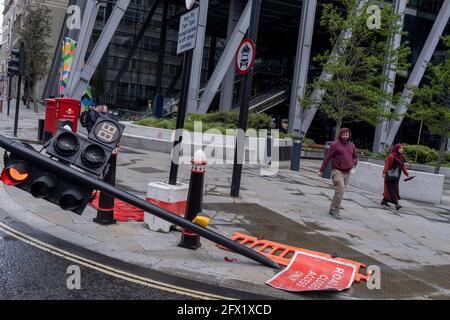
[28,121]
[412,246]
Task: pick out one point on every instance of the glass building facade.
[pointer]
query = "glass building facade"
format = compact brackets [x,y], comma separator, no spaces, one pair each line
[139,82]
[277,45]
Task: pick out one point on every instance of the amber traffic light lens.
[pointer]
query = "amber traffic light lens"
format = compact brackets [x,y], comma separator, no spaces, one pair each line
[44,186]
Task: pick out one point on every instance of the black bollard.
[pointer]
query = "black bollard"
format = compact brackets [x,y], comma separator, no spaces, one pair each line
[105,212]
[296,153]
[191,240]
[269,148]
[327,173]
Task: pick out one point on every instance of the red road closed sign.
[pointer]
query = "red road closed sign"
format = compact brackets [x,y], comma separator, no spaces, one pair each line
[310,272]
[245,57]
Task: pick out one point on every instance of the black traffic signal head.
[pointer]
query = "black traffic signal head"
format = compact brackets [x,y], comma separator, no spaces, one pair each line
[16,64]
[73,149]
[107,132]
[43,184]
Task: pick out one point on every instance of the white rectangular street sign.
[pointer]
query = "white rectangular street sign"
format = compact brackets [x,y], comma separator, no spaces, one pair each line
[187,37]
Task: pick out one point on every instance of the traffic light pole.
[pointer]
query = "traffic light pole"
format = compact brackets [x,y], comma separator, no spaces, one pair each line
[245,104]
[187,66]
[9,93]
[57,168]
[105,212]
[16,118]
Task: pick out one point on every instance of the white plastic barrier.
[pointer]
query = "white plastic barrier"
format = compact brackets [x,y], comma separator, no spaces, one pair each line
[169,197]
[424,187]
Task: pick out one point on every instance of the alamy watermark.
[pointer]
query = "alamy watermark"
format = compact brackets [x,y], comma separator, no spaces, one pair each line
[74,280]
[74,17]
[254,147]
[374,282]
[374,20]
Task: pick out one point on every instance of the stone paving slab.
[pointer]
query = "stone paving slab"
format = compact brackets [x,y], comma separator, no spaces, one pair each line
[290,206]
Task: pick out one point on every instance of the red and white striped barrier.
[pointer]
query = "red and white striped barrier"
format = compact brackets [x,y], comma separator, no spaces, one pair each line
[168,197]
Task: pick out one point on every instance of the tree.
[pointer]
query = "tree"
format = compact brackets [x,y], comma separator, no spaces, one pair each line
[432,102]
[35,29]
[355,93]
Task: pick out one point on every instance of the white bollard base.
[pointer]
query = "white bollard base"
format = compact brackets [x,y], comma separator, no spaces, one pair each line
[168,197]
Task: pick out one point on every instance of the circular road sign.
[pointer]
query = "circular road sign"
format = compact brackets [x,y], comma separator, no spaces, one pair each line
[245,57]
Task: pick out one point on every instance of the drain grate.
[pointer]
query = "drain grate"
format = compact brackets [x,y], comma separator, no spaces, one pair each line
[147,170]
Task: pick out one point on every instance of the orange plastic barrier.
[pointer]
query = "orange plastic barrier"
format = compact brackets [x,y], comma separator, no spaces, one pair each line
[123,212]
[283,254]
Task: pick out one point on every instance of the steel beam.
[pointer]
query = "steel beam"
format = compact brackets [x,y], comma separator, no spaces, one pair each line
[134,46]
[197,61]
[84,37]
[419,69]
[305,35]
[318,93]
[389,71]
[226,60]
[226,97]
[102,44]
[52,81]
[162,47]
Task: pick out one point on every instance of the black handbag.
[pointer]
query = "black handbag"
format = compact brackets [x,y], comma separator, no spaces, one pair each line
[393,174]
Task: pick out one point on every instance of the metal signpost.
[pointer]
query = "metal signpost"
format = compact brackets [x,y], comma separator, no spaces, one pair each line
[187,39]
[245,56]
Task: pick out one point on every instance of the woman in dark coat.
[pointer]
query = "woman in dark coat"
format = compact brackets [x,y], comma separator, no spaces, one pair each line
[395,161]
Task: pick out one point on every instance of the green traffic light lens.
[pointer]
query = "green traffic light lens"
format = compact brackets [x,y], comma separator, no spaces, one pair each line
[67,144]
[72,199]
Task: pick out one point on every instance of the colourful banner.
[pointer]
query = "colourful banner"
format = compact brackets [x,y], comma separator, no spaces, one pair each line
[67,55]
[87,99]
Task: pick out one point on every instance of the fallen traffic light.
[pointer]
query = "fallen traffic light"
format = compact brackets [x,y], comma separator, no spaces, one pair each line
[45,185]
[92,154]
[73,149]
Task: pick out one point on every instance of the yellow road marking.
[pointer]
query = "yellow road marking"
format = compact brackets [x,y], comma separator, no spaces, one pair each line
[117,273]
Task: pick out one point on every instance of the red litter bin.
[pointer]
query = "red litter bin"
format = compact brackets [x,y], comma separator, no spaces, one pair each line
[51,123]
[68,113]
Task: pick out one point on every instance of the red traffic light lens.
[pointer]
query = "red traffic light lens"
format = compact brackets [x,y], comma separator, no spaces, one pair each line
[15,174]
[67,144]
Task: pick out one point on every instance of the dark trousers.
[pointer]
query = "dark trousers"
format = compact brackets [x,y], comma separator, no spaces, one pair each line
[393,187]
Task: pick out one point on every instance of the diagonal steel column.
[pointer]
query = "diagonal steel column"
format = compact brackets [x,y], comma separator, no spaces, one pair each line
[84,37]
[226,97]
[390,71]
[318,93]
[226,60]
[197,61]
[419,69]
[51,84]
[133,48]
[306,30]
[97,53]
[162,47]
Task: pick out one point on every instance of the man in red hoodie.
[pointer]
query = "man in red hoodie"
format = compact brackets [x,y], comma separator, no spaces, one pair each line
[344,156]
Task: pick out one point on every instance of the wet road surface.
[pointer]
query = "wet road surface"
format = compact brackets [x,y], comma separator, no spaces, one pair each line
[27,272]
